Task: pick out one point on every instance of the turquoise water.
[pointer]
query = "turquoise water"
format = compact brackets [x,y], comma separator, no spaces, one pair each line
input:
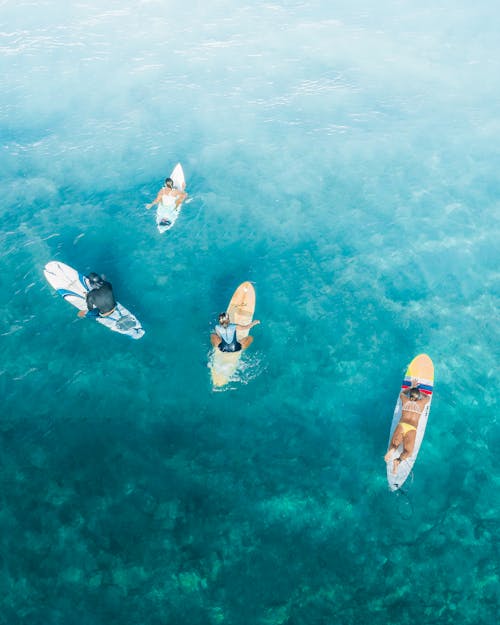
[344,157]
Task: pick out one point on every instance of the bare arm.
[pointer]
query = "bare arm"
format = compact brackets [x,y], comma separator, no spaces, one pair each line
[181,196]
[248,326]
[413,384]
[156,200]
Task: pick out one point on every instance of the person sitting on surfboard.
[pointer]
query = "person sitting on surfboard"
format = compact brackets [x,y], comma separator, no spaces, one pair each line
[224,336]
[169,197]
[100,299]
[413,405]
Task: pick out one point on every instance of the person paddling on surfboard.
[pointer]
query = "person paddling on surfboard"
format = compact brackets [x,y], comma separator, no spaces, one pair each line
[224,336]
[169,197]
[413,403]
[100,299]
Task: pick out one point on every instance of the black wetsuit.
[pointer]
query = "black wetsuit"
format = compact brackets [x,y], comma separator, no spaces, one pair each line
[101,299]
[229,342]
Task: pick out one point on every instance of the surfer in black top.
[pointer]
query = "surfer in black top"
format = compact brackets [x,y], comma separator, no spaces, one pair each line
[224,336]
[100,298]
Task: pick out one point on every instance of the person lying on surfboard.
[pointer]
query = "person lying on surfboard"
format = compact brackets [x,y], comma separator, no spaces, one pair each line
[413,403]
[224,336]
[100,299]
[169,197]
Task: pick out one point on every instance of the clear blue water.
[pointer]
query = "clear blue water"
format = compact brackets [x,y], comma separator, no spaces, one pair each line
[344,157]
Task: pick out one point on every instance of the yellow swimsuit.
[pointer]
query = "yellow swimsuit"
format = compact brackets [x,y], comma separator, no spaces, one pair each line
[407,427]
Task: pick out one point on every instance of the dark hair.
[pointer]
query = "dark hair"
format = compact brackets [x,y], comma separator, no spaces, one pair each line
[415,390]
[94,278]
[223,315]
[169,183]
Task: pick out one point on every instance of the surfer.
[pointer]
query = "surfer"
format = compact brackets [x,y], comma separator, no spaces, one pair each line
[413,403]
[224,336]
[100,299]
[169,197]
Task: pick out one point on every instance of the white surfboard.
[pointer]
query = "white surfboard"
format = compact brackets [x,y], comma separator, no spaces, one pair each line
[421,368]
[167,214]
[74,286]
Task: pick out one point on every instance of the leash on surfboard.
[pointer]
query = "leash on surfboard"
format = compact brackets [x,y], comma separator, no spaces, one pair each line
[405,506]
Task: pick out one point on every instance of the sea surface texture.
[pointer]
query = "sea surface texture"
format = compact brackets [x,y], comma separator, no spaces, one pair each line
[344,157]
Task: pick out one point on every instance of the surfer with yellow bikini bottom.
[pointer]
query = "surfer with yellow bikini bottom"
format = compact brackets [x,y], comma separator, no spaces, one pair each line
[224,336]
[413,405]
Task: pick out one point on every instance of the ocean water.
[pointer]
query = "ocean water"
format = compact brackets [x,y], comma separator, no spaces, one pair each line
[343,156]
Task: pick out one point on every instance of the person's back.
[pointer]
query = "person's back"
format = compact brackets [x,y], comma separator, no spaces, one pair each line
[101,298]
[412,407]
[169,197]
[168,200]
[225,338]
[227,333]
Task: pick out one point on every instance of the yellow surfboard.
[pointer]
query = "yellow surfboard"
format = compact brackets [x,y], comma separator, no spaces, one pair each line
[421,368]
[240,309]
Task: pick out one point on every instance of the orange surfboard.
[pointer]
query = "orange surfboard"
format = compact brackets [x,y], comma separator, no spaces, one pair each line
[240,309]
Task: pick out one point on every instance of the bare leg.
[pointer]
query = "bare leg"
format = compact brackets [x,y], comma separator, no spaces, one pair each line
[408,445]
[397,439]
[215,339]
[246,341]
[397,462]
[390,453]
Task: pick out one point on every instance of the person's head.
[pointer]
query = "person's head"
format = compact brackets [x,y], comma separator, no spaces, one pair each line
[94,279]
[224,319]
[169,183]
[414,393]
